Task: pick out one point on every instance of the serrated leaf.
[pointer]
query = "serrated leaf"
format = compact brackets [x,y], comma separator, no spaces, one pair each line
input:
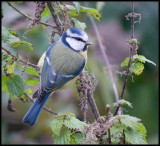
[31,82]
[16,44]
[79,24]
[4,83]
[139,69]
[15,85]
[128,121]
[8,37]
[123,102]
[63,138]
[78,138]
[134,137]
[141,58]
[125,62]
[74,123]
[142,130]
[32,71]
[56,125]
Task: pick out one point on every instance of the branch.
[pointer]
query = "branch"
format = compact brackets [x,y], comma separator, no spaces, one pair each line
[43,107]
[102,49]
[28,16]
[16,58]
[130,56]
[55,17]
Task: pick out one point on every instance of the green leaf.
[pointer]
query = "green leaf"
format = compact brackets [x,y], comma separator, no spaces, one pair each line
[10,68]
[139,69]
[70,7]
[123,102]
[133,67]
[77,5]
[78,138]
[125,62]
[134,137]
[4,83]
[92,11]
[56,125]
[16,44]
[73,123]
[32,71]
[79,24]
[133,41]
[28,91]
[9,37]
[142,59]
[142,130]
[20,67]
[45,15]
[31,82]
[15,85]
[63,138]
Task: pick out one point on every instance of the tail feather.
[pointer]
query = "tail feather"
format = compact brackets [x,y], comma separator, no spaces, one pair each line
[33,113]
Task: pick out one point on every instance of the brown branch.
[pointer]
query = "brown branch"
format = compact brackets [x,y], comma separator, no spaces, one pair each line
[94,109]
[43,107]
[16,58]
[130,56]
[102,49]
[55,18]
[30,18]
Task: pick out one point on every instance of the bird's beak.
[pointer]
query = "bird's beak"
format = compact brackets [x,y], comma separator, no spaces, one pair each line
[88,43]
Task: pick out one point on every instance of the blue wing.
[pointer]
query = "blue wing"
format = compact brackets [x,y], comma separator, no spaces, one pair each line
[51,78]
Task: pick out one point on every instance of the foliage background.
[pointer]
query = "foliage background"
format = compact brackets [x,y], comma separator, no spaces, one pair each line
[115,32]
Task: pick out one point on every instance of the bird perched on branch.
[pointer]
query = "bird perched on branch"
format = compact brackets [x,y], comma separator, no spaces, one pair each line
[59,65]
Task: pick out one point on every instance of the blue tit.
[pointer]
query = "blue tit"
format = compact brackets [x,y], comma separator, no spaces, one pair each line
[61,63]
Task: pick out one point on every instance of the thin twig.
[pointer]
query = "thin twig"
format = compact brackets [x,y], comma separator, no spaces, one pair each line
[30,18]
[16,58]
[43,107]
[102,49]
[130,55]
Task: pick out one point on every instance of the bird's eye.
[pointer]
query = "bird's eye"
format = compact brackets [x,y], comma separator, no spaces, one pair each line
[79,39]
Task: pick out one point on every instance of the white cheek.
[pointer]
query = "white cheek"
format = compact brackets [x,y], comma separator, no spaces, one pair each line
[76,45]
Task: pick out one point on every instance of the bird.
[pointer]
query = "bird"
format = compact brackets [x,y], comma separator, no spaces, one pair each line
[60,65]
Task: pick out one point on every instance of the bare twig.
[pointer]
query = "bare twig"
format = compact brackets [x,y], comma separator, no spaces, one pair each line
[16,58]
[28,16]
[102,49]
[43,107]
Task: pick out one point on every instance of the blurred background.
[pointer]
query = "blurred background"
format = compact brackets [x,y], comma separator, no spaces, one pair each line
[115,31]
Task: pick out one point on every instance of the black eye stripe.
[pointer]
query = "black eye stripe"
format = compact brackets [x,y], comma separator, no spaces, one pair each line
[79,39]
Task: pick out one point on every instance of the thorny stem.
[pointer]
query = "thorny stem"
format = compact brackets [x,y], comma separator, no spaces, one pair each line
[43,107]
[130,55]
[16,58]
[28,16]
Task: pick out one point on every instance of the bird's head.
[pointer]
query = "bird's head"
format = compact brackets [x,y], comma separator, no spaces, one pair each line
[76,39]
